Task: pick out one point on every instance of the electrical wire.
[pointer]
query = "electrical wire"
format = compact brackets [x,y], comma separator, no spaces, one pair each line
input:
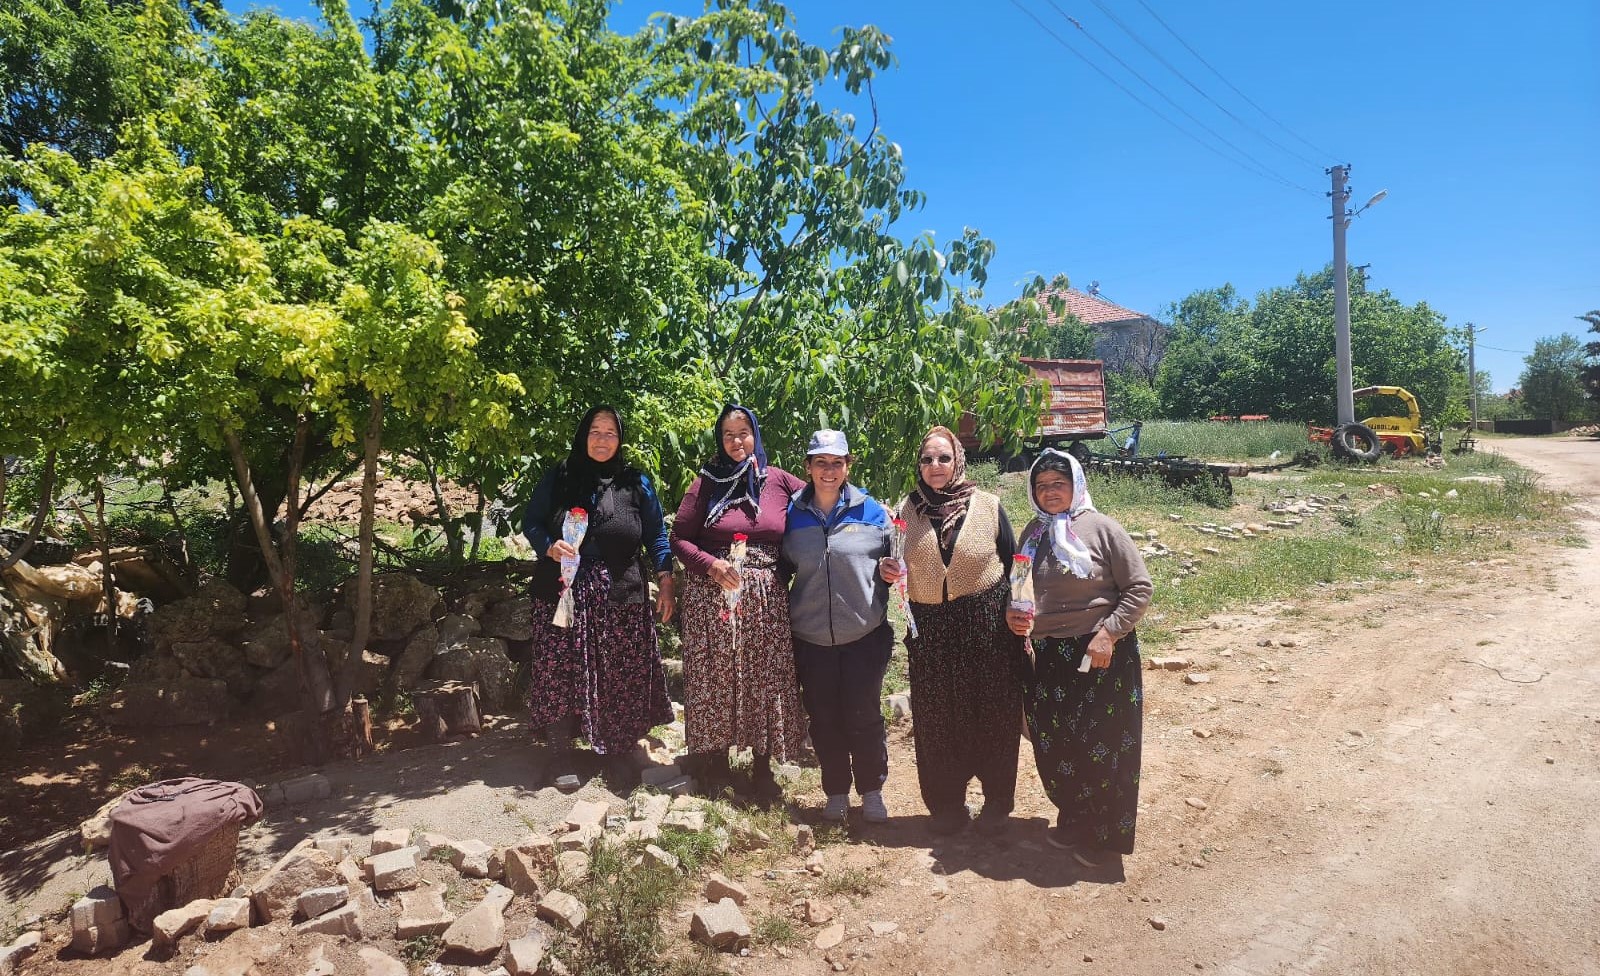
[1168,99]
[1200,91]
[1236,91]
[1515,352]
[1148,107]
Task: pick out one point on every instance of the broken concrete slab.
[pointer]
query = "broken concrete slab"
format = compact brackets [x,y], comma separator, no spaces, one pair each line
[564,910]
[276,893]
[721,926]
[481,930]
[393,870]
[175,923]
[320,901]
[422,912]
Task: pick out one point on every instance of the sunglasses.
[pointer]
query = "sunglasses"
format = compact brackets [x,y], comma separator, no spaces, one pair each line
[928,459]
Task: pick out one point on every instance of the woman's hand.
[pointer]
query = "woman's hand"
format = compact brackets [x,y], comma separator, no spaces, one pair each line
[723,574]
[560,549]
[889,570]
[1100,647]
[1020,622]
[665,604]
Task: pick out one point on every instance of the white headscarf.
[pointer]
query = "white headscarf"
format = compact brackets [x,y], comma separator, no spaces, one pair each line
[1069,550]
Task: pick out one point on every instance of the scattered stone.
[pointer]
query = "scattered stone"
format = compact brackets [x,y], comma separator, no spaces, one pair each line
[175,923]
[883,928]
[586,813]
[356,920]
[830,937]
[350,873]
[1197,679]
[721,926]
[1174,517]
[522,870]
[643,830]
[471,857]
[690,820]
[1158,923]
[301,789]
[558,906]
[804,838]
[481,930]
[719,887]
[12,955]
[650,807]
[1286,642]
[276,894]
[572,868]
[338,847]
[381,963]
[1196,802]
[568,783]
[422,912]
[227,915]
[899,706]
[1169,663]
[655,776]
[96,831]
[1266,642]
[320,901]
[392,839]
[1202,733]
[524,955]
[818,912]
[814,862]
[393,870]
[663,858]
[580,839]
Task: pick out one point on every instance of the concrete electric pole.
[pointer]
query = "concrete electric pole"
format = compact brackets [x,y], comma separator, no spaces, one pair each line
[1472,372]
[1346,403]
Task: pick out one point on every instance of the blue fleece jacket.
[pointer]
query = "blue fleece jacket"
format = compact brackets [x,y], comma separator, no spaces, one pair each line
[836,595]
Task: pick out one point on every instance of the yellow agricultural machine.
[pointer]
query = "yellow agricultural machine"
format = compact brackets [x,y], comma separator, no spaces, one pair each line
[1367,439]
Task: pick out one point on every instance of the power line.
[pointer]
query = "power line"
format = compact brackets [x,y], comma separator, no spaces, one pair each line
[1236,91]
[1516,352]
[1147,106]
[1168,99]
[1200,91]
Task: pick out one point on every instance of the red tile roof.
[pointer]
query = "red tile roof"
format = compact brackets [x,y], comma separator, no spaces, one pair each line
[1089,309]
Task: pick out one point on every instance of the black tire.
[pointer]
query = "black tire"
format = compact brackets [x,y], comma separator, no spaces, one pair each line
[1079,450]
[1356,442]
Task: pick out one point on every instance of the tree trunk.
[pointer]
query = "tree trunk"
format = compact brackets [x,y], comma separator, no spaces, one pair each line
[449,526]
[105,561]
[371,443]
[47,488]
[330,737]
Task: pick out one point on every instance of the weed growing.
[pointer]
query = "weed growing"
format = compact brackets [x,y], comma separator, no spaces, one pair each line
[623,936]
[855,882]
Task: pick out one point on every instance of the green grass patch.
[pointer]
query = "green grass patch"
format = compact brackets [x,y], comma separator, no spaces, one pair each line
[1221,441]
[775,930]
[855,882]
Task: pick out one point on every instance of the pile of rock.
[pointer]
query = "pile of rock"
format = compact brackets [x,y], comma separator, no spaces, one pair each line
[219,650]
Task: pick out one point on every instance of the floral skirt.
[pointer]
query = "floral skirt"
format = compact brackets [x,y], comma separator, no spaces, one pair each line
[739,686]
[1087,732]
[605,669]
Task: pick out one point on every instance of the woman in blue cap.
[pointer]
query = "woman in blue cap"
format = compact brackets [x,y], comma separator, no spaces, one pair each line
[837,542]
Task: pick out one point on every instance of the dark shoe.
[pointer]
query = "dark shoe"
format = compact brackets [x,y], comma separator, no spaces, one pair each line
[993,822]
[1058,838]
[710,770]
[947,822]
[764,787]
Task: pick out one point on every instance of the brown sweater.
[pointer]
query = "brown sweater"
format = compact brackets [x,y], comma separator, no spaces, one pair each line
[1114,597]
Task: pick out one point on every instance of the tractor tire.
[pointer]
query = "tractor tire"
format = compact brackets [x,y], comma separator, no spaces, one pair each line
[1356,442]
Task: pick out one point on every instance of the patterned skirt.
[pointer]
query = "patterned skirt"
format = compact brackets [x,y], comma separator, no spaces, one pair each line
[1087,732]
[966,699]
[739,686]
[605,669]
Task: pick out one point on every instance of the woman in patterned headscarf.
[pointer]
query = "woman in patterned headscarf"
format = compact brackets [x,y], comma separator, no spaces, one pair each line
[738,663]
[1084,699]
[965,664]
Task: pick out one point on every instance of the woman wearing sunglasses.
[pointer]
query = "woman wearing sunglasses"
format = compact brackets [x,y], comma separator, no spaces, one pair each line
[964,661]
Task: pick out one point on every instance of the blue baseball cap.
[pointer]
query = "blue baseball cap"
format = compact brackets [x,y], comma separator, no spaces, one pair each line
[828,442]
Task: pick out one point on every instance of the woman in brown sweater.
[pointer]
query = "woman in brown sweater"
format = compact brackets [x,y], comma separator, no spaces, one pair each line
[965,664]
[1085,716]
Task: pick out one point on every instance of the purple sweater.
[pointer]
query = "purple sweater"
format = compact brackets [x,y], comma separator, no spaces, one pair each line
[692,538]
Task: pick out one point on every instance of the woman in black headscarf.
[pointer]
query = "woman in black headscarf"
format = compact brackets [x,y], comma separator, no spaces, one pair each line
[600,676]
[738,660]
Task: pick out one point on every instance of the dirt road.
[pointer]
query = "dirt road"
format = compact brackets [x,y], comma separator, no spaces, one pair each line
[1373,799]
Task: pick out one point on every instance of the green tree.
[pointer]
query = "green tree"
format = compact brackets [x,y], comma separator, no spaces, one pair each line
[1552,388]
[1590,372]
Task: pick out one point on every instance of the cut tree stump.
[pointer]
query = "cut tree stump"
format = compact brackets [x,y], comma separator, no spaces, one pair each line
[446,708]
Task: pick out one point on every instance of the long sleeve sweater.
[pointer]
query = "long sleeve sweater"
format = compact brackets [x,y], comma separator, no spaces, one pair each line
[696,544]
[1115,596]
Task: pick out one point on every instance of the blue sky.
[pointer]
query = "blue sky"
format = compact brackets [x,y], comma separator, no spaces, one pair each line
[1482,121]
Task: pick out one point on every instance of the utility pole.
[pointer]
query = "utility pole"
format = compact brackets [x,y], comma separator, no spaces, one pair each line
[1472,373]
[1340,194]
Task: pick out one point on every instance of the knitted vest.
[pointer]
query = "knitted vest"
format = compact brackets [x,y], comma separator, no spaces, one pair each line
[974,565]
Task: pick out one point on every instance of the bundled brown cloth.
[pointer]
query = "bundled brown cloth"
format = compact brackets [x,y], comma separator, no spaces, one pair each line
[155,828]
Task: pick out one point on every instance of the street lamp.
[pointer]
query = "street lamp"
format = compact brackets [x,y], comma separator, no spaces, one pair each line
[1341,289]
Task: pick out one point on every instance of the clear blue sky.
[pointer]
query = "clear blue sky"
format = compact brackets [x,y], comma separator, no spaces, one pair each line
[1482,121]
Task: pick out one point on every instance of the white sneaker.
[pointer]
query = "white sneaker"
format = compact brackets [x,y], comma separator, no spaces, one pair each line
[872,808]
[837,809]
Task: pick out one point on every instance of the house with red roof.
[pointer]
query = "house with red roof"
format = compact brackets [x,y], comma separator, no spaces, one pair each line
[1126,340]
